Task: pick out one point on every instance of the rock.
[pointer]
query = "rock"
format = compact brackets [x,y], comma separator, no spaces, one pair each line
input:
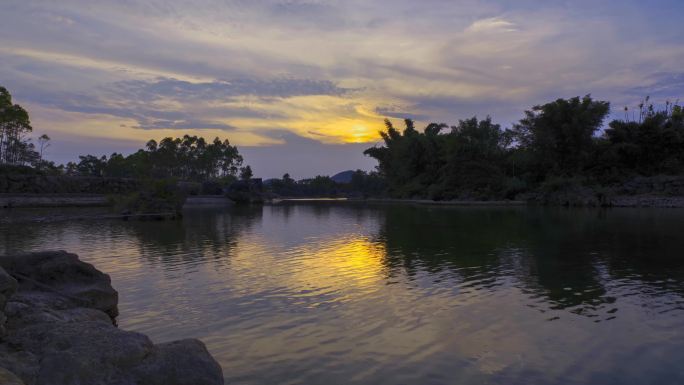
[65,274]
[8,378]
[8,286]
[39,307]
[60,331]
[91,352]
[169,364]
[96,353]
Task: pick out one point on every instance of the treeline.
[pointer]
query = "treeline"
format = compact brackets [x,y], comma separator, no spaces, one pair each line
[560,140]
[552,144]
[16,149]
[189,158]
[362,184]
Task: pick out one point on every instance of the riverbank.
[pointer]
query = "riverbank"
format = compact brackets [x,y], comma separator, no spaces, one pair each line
[91,200]
[449,203]
[53,200]
[559,200]
[568,199]
[57,326]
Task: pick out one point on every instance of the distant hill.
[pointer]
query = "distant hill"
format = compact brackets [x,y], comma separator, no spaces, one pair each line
[343,177]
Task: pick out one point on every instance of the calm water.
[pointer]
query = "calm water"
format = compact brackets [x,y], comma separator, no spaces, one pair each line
[338,293]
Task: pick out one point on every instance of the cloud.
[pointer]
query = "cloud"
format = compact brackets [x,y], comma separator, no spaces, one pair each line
[326,70]
[167,103]
[662,85]
[295,156]
[491,25]
[400,113]
[219,90]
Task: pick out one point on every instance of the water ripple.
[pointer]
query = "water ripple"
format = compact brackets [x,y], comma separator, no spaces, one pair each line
[338,293]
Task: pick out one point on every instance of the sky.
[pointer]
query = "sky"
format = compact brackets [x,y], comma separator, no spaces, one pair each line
[303,86]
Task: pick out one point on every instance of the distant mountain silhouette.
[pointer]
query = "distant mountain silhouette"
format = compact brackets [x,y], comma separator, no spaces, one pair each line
[343,177]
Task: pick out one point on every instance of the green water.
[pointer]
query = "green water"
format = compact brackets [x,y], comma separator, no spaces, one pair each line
[344,293]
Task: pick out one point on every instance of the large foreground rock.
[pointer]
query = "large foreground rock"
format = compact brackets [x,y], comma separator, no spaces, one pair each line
[8,286]
[59,331]
[63,273]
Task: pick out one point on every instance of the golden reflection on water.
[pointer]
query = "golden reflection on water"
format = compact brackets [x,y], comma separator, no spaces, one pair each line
[335,293]
[343,265]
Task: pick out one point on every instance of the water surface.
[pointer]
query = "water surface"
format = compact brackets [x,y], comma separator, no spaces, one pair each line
[337,292]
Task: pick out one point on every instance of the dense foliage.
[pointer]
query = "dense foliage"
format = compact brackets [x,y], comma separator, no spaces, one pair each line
[650,146]
[559,136]
[469,158]
[188,158]
[362,184]
[560,140]
[16,148]
[161,197]
[553,146]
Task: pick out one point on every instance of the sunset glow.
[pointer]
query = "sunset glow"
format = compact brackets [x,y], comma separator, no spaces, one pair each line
[325,73]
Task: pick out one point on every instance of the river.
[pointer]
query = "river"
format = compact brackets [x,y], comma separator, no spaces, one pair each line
[351,293]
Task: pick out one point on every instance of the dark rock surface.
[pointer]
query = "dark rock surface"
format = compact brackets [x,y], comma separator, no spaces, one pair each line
[64,273]
[8,286]
[8,378]
[59,331]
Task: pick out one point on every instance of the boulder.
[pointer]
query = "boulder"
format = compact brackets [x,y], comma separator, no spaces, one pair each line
[8,378]
[185,362]
[8,286]
[64,274]
[60,331]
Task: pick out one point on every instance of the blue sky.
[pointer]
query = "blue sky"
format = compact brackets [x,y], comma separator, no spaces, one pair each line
[302,86]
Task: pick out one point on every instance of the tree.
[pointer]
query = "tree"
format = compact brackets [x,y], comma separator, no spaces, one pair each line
[407,158]
[246,173]
[560,134]
[189,158]
[652,145]
[440,164]
[14,126]
[90,165]
[474,154]
[43,143]
[367,183]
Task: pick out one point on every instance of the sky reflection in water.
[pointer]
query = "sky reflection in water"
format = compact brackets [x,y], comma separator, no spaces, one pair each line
[335,292]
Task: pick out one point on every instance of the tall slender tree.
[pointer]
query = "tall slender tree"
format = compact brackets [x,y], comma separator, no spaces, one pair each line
[14,126]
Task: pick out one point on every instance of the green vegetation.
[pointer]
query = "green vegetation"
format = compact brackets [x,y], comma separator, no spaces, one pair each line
[555,144]
[557,152]
[362,184]
[189,158]
[16,150]
[652,145]
[161,198]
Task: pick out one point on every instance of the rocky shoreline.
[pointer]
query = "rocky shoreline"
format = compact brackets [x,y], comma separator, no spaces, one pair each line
[58,327]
